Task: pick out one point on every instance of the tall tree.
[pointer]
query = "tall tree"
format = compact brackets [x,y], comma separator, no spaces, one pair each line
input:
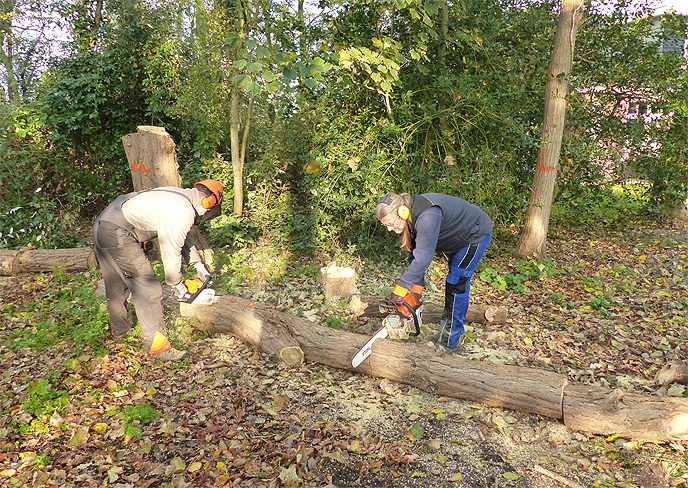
[7,47]
[533,240]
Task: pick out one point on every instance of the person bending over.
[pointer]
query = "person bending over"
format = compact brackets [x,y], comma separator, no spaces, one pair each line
[430,223]
[122,233]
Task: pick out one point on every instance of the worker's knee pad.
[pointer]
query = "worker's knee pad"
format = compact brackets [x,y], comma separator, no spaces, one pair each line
[458,288]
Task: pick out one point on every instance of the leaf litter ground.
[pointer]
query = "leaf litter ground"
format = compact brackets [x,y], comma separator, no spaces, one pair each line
[606,309]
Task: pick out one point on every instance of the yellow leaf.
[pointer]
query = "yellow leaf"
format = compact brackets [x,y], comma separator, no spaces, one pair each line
[193,467]
[100,428]
[313,167]
[455,477]
[642,258]
[151,391]
[78,439]
[528,341]
[223,479]
[221,466]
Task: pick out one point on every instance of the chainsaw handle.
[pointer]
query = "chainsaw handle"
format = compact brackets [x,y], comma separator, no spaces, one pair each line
[415,322]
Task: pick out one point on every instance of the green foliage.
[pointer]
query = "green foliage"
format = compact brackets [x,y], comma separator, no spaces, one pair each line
[68,309]
[604,204]
[93,97]
[135,415]
[231,231]
[44,397]
[33,208]
[338,322]
[143,413]
[372,94]
[523,272]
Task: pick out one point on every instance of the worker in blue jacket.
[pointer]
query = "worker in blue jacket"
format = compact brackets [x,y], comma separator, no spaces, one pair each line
[430,223]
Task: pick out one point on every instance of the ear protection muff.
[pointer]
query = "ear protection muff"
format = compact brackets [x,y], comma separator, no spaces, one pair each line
[210,201]
[216,193]
[403,211]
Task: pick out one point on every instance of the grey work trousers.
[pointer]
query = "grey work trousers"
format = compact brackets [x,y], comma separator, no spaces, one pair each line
[127,272]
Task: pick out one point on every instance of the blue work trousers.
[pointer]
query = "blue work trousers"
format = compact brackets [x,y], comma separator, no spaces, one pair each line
[462,265]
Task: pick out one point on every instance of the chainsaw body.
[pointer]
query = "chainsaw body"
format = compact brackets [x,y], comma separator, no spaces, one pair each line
[199,292]
[400,327]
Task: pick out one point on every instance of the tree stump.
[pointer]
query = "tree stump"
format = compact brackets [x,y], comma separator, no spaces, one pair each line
[153,162]
[152,158]
[32,261]
[591,409]
[337,281]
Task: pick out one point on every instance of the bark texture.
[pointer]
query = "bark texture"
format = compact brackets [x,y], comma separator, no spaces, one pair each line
[533,241]
[591,409]
[152,158]
[46,260]
[153,161]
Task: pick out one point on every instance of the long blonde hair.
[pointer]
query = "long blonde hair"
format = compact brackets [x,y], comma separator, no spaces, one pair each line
[390,203]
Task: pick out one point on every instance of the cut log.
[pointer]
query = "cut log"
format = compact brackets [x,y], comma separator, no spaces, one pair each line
[249,322]
[29,261]
[153,162]
[367,306]
[590,409]
[672,373]
[604,411]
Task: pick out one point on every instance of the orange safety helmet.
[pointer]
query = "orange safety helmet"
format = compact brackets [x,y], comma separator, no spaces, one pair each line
[216,192]
[213,202]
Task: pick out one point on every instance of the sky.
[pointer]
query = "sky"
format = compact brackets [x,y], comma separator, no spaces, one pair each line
[681,6]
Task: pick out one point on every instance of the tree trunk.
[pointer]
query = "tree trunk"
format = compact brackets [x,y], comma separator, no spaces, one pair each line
[152,158]
[237,163]
[7,49]
[153,161]
[533,240]
[591,409]
[31,261]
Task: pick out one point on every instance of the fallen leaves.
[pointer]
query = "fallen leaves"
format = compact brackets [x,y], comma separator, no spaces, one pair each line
[232,419]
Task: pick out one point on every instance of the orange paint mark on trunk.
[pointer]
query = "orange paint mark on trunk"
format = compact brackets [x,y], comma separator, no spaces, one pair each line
[139,167]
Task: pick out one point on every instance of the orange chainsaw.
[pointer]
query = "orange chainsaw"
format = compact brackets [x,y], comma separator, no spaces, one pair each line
[199,292]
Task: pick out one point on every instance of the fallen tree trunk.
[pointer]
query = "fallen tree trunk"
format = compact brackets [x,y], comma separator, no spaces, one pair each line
[368,306]
[30,261]
[591,409]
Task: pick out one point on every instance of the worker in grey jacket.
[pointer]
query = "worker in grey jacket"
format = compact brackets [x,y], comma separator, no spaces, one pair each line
[122,233]
[430,223]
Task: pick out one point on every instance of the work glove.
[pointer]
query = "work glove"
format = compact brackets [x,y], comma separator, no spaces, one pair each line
[201,271]
[407,302]
[181,290]
[394,298]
